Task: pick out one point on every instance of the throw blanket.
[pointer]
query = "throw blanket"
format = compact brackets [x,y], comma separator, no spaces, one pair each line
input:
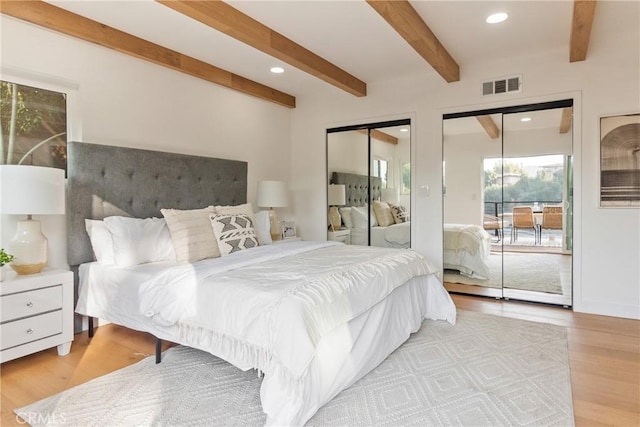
[471,238]
[268,307]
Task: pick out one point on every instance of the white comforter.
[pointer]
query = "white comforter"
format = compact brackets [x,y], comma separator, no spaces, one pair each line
[269,310]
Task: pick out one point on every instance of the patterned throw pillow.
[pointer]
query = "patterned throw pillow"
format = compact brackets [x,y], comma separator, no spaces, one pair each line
[383,214]
[400,213]
[233,232]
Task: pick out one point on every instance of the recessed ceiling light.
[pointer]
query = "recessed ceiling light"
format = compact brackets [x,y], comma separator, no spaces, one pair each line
[525,119]
[277,70]
[404,130]
[497,17]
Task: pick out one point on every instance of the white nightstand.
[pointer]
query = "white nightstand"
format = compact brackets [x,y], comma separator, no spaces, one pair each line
[37,313]
[343,235]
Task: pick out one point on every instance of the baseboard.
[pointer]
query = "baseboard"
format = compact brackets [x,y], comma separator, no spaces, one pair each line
[626,311]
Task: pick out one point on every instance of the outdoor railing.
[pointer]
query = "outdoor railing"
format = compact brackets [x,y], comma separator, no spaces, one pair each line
[497,208]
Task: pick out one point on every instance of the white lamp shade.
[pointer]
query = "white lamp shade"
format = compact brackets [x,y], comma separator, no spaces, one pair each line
[336,195]
[272,194]
[390,195]
[31,190]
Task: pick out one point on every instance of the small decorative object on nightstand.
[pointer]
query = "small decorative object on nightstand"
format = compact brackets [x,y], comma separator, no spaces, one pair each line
[37,313]
[288,229]
[342,235]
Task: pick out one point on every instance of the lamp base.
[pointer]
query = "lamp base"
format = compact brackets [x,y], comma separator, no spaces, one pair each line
[335,220]
[28,268]
[274,225]
[29,247]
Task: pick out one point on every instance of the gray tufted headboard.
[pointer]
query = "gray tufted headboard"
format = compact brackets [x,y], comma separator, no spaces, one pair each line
[106,180]
[357,187]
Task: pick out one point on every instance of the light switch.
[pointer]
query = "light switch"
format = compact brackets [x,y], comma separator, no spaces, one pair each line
[423,191]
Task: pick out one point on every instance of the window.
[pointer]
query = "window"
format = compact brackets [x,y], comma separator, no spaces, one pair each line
[380,169]
[33,126]
[405,170]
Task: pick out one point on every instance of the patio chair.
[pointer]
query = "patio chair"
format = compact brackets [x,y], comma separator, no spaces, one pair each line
[551,218]
[494,223]
[523,219]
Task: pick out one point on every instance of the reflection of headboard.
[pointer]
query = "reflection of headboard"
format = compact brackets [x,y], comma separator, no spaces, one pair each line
[357,187]
[106,180]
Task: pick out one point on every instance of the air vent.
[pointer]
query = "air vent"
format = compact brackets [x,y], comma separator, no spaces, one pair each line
[502,85]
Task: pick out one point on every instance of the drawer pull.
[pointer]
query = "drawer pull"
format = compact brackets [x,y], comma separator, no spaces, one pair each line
[30,331]
[29,304]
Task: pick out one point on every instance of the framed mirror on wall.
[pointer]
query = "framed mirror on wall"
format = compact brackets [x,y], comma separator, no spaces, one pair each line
[369,184]
[508,202]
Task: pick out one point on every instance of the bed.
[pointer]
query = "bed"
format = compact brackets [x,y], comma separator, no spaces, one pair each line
[466,246]
[313,317]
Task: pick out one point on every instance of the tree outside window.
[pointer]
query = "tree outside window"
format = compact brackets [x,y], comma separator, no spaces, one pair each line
[33,126]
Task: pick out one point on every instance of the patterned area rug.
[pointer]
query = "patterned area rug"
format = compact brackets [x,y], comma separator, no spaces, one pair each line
[526,271]
[484,371]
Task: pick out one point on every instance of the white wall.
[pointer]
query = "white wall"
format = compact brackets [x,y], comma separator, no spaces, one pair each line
[607,241]
[129,102]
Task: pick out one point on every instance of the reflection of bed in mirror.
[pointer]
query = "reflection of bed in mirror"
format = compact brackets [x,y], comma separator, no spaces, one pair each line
[355,213]
[466,246]
[466,250]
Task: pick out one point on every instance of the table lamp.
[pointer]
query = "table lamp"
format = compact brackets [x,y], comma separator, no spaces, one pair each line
[390,195]
[336,196]
[273,194]
[30,190]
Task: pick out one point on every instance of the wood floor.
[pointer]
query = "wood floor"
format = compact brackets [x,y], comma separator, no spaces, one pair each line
[604,355]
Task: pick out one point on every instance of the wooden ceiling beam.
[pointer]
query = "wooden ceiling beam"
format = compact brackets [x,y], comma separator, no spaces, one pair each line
[63,21]
[381,136]
[489,126]
[408,23]
[565,121]
[583,13]
[232,22]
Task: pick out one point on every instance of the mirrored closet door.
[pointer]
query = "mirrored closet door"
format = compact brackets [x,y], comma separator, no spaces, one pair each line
[369,184]
[508,202]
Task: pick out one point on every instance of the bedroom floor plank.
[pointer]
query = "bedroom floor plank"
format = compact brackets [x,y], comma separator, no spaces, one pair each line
[604,355]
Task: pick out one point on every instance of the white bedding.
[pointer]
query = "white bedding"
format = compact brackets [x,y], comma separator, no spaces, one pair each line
[393,236]
[266,308]
[466,249]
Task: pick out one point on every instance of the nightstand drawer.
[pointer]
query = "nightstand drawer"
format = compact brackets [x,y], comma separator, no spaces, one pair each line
[30,303]
[31,329]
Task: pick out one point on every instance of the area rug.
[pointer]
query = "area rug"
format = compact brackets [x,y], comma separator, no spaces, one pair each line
[526,271]
[484,371]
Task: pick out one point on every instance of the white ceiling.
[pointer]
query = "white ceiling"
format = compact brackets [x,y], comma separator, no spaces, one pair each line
[350,34]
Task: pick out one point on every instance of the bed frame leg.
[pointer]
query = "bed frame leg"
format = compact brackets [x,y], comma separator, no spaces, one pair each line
[90,327]
[158,350]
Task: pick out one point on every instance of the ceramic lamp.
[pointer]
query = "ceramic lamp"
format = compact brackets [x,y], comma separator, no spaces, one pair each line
[336,196]
[30,190]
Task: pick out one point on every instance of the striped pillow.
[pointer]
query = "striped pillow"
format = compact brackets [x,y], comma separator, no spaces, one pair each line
[383,213]
[191,234]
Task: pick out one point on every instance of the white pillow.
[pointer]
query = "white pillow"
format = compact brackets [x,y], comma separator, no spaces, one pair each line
[262,225]
[233,232]
[359,217]
[191,234]
[345,213]
[101,241]
[138,241]
[244,209]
